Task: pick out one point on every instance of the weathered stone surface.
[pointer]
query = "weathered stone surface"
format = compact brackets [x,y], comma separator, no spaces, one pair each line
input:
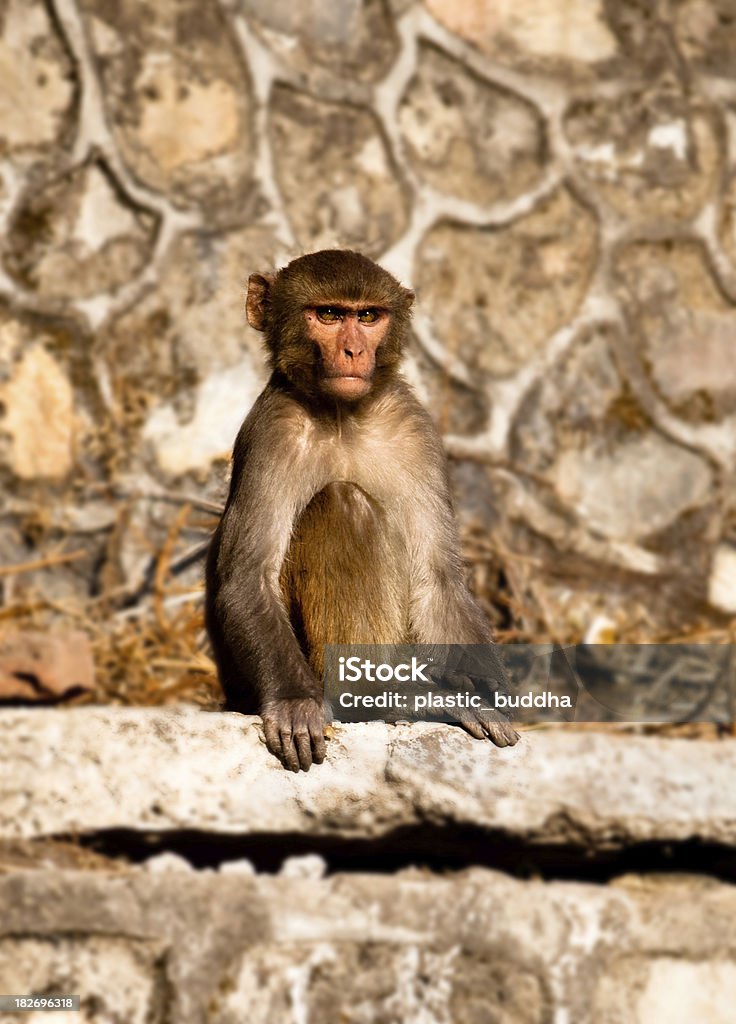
[37,82]
[634,488]
[163,863]
[515,286]
[643,37]
[583,429]
[706,33]
[722,582]
[41,667]
[665,988]
[309,865]
[580,399]
[88,769]
[190,441]
[371,949]
[75,237]
[685,327]
[118,976]
[355,39]
[466,136]
[728,212]
[178,97]
[456,408]
[183,363]
[381,982]
[337,179]
[48,398]
[651,155]
[38,419]
[532,30]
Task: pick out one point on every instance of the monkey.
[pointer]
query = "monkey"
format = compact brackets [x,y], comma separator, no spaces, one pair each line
[338,526]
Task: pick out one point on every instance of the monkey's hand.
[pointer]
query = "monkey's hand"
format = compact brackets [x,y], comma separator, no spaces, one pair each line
[487,723]
[483,722]
[295,731]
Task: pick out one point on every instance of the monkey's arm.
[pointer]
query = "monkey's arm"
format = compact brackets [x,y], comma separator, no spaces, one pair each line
[261,665]
[441,608]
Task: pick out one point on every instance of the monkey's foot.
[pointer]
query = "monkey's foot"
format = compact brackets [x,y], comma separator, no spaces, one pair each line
[486,723]
[295,732]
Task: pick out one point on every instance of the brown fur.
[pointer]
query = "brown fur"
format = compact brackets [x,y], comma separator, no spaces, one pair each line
[338,527]
[340,581]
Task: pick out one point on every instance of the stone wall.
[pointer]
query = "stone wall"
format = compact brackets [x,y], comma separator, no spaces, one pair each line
[556,179]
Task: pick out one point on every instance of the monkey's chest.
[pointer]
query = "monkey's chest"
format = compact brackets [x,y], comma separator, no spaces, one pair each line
[345,575]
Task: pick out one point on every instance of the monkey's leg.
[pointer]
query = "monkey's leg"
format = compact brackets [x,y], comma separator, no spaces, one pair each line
[345,578]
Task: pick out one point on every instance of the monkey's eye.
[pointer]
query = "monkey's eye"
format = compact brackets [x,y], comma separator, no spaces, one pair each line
[368,316]
[327,314]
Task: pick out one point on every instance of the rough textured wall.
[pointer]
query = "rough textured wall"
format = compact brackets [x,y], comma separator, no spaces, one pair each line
[462,884]
[556,179]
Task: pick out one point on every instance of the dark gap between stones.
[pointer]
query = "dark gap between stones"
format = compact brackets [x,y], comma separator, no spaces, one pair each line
[422,846]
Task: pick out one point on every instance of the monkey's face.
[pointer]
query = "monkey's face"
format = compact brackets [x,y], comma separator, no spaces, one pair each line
[347,337]
[335,323]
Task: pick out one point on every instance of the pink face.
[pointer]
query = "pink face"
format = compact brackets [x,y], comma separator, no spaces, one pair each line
[348,336]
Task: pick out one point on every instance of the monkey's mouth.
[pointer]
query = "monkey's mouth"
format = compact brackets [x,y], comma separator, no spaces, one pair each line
[346,386]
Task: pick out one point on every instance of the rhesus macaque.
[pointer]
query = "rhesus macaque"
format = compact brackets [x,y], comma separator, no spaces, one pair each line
[338,527]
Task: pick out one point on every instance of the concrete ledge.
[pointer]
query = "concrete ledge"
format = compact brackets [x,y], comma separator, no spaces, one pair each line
[84,770]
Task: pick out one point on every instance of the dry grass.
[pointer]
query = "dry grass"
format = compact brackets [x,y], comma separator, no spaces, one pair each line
[149,649]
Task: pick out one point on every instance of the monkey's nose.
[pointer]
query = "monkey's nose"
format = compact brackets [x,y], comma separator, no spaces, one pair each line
[351,343]
[350,339]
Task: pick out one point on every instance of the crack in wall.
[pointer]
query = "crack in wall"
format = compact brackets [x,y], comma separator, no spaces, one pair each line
[432,849]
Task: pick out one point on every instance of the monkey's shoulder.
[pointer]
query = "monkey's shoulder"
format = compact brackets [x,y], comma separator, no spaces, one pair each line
[398,406]
[274,415]
[404,417]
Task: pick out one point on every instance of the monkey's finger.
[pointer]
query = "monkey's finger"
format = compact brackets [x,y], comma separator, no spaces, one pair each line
[273,737]
[502,737]
[303,743]
[318,733]
[289,753]
[471,725]
[501,733]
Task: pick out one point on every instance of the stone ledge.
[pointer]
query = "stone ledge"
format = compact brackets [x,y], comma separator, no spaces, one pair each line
[91,769]
[195,946]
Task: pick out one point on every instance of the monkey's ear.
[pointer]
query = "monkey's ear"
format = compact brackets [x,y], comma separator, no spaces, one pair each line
[409,296]
[256,303]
